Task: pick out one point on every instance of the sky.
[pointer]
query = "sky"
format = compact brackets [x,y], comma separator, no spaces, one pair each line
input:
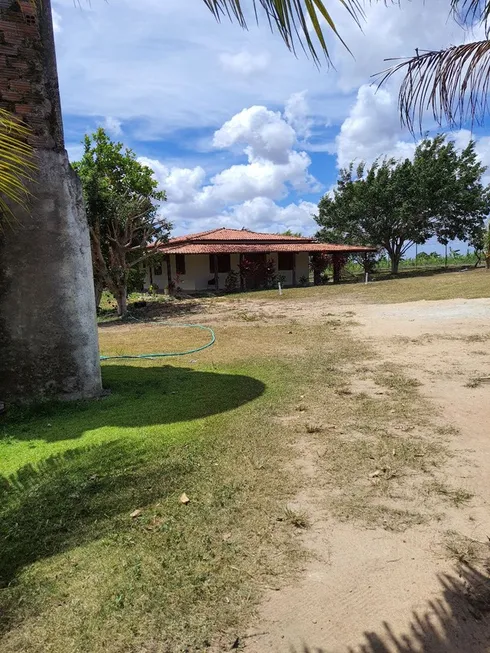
[239,131]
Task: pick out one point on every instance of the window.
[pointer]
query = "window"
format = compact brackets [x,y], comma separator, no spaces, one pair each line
[286,261]
[157,269]
[224,263]
[180,263]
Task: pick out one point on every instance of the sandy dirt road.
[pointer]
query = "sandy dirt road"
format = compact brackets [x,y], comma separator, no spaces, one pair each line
[376,591]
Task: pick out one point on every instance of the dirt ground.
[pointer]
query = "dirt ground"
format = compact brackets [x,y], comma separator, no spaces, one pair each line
[377,591]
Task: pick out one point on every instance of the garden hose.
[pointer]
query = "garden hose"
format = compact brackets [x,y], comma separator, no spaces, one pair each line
[174,353]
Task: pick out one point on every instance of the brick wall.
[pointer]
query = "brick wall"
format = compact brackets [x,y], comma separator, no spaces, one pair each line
[28,76]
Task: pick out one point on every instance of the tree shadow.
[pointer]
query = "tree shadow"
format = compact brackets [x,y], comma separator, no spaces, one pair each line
[140,396]
[457,622]
[154,310]
[84,494]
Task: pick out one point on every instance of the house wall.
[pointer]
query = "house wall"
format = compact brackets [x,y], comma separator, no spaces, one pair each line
[302,266]
[198,272]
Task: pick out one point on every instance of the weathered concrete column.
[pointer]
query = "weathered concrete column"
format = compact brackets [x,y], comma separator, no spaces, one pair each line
[48,334]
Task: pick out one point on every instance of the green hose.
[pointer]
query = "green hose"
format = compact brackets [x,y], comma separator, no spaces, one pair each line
[174,353]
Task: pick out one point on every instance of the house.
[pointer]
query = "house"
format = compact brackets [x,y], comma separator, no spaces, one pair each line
[204,261]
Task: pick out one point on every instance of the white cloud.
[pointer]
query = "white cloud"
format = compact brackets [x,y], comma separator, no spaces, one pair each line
[244,63]
[297,114]
[264,133]
[372,129]
[181,184]
[262,214]
[113,126]
[242,192]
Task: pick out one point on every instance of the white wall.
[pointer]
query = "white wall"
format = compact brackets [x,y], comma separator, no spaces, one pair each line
[302,266]
[197,272]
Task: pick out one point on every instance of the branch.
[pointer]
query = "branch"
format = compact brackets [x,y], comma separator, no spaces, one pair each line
[452,83]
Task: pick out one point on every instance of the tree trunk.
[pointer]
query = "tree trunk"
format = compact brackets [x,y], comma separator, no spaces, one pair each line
[121,296]
[98,289]
[395,262]
[48,328]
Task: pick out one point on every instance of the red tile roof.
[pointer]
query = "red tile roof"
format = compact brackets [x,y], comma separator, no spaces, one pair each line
[235,248]
[224,241]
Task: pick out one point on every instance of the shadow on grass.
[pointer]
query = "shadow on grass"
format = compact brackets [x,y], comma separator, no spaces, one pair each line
[154,310]
[457,622]
[84,494]
[140,396]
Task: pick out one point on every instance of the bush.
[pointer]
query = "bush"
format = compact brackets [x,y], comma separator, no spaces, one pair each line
[231,281]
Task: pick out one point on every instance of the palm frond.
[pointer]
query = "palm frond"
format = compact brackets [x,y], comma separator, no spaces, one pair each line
[16,163]
[296,21]
[471,12]
[453,84]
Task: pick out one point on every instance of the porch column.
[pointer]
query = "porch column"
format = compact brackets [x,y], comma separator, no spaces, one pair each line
[336,268]
[294,269]
[169,272]
[216,273]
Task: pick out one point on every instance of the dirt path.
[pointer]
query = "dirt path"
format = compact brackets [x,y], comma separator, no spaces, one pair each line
[378,591]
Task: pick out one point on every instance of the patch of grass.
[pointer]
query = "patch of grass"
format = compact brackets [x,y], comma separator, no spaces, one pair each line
[313,427]
[457,496]
[297,518]
[465,550]
[473,383]
[407,287]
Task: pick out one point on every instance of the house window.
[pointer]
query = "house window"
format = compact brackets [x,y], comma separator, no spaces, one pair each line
[224,263]
[286,261]
[180,264]
[157,269]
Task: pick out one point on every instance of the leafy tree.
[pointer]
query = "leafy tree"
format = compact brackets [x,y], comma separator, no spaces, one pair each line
[289,232]
[397,204]
[480,241]
[122,202]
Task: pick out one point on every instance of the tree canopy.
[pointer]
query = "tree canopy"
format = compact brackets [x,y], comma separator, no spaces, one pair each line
[122,202]
[395,204]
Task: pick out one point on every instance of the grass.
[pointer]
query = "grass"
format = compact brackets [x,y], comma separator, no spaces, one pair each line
[98,554]
[471,284]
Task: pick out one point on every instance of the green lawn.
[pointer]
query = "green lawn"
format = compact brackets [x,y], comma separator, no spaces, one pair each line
[78,572]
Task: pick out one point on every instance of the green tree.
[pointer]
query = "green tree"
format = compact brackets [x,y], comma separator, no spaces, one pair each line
[289,232]
[480,241]
[121,202]
[394,205]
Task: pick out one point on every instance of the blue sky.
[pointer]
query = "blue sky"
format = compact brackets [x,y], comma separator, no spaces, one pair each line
[239,131]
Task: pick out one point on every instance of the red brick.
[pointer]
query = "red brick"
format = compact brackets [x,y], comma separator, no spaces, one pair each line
[11,96]
[9,50]
[23,109]
[17,65]
[20,85]
[9,24]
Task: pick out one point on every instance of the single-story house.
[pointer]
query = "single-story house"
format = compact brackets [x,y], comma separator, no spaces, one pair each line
[203,261]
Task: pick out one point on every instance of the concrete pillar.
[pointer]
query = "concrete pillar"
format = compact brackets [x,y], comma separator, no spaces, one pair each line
[48,332]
